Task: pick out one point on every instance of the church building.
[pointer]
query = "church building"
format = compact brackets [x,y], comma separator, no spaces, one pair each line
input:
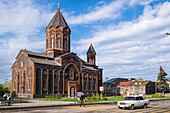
[57,70]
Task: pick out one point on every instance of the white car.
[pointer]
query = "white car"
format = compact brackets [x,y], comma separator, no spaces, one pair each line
[133,102]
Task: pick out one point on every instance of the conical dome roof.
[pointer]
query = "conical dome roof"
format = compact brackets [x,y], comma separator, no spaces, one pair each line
[58,21]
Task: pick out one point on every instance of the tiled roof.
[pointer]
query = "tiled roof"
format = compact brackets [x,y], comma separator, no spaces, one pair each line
[133,83]
[89,68]
[58,21]
[63,55]
[125,83]
[110,80]
[44,61]
[36,54]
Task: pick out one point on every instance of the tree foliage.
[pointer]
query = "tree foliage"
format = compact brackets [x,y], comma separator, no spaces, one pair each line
[3,90]
[162,81]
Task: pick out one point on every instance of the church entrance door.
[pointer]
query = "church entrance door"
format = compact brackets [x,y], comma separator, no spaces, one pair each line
[72,92]
[72,89]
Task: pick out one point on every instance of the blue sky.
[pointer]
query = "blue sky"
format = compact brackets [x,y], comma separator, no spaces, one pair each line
[128,35]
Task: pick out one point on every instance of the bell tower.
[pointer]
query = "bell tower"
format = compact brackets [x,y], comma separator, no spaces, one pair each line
[91,55]
[57,36]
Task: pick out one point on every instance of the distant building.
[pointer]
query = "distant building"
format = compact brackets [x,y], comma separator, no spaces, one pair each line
[56,71]
[110,86]
[135,87]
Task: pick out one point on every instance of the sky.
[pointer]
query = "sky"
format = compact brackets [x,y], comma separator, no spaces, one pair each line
[128,35]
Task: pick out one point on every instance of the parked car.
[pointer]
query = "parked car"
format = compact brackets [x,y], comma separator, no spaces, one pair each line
[133,102]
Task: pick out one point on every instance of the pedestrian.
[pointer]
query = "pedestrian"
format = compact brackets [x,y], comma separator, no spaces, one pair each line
[9,99]
[4,102]
[82,99]
[5,96]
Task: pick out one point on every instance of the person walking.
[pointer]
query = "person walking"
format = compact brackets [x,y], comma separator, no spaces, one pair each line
[5,96]
[82,99]
[4,102]
[9,99]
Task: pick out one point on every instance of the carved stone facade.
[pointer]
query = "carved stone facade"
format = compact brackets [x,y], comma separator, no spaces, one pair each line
[57,71]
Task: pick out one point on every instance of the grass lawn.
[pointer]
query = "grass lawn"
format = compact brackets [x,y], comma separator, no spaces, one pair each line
[96,98]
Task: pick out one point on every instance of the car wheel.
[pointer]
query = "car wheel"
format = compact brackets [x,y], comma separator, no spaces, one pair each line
[145,106]
[132,107]
[120,107]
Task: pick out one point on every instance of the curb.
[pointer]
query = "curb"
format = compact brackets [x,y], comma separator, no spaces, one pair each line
[70,104]
[58,105]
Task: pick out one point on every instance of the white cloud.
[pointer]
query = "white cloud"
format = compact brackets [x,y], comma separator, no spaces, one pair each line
[141,2]
[136,47]
[106,11]
[21,17]
[20,23]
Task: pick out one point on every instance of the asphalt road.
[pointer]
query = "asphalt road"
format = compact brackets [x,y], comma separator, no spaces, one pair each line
[154,107]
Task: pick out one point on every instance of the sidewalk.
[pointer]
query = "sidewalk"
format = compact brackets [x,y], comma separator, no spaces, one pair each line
[35,104]
[40,104]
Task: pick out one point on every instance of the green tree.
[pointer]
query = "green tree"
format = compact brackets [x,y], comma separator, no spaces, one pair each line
[162,81]
[3,90]
[8,84]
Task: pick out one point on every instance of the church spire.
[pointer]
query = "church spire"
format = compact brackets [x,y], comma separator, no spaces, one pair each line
[91,49]
[58,20]
[91,55]
[57,35]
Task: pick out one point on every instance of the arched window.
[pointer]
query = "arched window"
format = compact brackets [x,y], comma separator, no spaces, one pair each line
[71,73]
[29,84]
[94,84]
[89,85]
[46,43]
[92,60]
[58,43]
[18,84]
[44,81]
[85,85]
[51,43]
[38,81]
[56,74]
[65,43]
[21,81]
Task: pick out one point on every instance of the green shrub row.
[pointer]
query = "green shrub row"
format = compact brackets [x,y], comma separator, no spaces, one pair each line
[59,98]
[53,97]
[115,98]
[94,98]
[157,95]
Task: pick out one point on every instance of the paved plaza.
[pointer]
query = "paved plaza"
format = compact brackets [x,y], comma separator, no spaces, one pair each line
[154,107]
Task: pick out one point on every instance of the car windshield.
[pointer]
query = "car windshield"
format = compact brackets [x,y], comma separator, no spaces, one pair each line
[130,98]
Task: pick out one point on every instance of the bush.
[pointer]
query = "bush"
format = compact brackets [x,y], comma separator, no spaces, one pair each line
[53,97]
[116,98]
[104,98]
[94,98]
[14,94]
[157,95]
[3,90]
[70,99]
